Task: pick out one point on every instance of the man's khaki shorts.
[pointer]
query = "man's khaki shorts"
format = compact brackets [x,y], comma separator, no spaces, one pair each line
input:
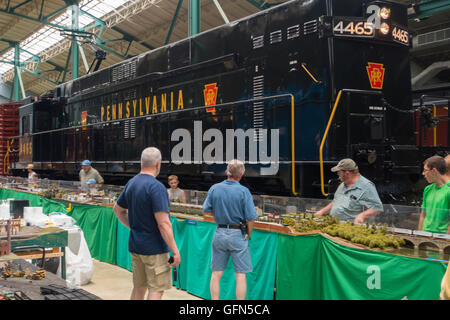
[152,271]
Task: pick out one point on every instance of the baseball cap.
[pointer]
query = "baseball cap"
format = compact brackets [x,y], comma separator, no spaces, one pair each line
[345,165]
[91,181]
[86,163]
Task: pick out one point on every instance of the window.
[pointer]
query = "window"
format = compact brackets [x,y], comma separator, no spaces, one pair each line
[25,128]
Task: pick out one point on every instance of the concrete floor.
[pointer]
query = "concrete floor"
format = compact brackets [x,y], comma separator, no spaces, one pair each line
[111,282]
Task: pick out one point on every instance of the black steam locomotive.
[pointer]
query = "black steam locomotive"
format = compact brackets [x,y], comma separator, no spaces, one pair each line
[290,90]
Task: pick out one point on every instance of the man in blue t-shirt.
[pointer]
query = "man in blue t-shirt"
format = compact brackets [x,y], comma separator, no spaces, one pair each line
[151,234]
[232,205]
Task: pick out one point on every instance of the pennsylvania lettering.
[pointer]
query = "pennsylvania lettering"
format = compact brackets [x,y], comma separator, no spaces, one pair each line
[142,106]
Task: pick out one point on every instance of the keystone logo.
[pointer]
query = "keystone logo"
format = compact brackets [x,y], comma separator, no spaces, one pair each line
[84,119]
[375,71]
[210,94]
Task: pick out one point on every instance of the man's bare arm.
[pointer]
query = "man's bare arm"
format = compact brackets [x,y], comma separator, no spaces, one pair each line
[365,215]
[250,226]
[122,215]
[421,219]
[325,210]
[165,227]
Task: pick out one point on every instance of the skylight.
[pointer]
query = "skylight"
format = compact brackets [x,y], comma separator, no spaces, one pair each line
[48,36]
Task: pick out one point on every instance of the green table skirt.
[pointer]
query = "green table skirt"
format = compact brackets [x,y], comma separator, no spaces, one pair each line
[194,240]
[48,206]
[314,267]
[298,267]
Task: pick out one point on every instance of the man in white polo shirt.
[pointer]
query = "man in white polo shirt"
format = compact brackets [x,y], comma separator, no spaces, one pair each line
[356,199]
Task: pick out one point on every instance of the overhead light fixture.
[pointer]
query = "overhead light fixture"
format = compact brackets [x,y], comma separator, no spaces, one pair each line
[412,11]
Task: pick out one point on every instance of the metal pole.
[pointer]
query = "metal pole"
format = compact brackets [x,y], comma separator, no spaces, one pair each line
[222,13]
[8,227]
[180,2]
[194,17]
[75,50]
[83,56]
[21,83]
[16,72]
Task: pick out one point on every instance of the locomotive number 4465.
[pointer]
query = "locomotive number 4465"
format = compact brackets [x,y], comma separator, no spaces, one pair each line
[343,27]
[400,35]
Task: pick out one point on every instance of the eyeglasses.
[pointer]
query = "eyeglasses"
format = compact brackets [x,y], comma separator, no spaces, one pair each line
[425,169]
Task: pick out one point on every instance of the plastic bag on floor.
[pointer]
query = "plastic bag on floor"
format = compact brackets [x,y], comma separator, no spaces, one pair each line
[61,220]
[79,267]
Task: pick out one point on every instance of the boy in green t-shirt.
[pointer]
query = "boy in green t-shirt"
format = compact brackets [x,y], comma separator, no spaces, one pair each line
[436,197]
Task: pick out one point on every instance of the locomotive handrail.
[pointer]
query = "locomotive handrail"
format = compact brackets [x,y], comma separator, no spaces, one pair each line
[330,120]
[293,146]
[195,109]
[424,96]
[310,74]
[155,114]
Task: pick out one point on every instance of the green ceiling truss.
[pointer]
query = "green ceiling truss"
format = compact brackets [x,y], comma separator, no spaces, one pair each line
[174,19]
[84,35]
[426,8]
[35,60]
[75,48]
[260,4]
[98,41]
[41,19]
[66,66]
[194,18]
[76,34]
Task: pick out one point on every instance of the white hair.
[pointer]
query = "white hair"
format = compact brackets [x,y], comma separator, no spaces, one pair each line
[150,157]
[235,169]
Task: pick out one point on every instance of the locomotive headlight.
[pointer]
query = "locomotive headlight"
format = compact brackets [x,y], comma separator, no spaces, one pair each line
[385,13]
[384,28]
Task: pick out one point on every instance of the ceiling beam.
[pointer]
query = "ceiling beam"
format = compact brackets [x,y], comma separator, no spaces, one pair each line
[10,25]
[426,8]
[174,19]
[194,14]
[110,20]
[260,4]
[42,20]
[19,5]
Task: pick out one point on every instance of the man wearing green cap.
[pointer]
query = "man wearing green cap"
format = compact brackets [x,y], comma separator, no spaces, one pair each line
[87,173]
[356,199]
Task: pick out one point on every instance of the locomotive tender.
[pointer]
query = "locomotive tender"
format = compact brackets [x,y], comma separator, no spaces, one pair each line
[290,90]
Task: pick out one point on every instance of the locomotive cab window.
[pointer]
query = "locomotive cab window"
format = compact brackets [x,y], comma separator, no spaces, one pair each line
[25,122]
